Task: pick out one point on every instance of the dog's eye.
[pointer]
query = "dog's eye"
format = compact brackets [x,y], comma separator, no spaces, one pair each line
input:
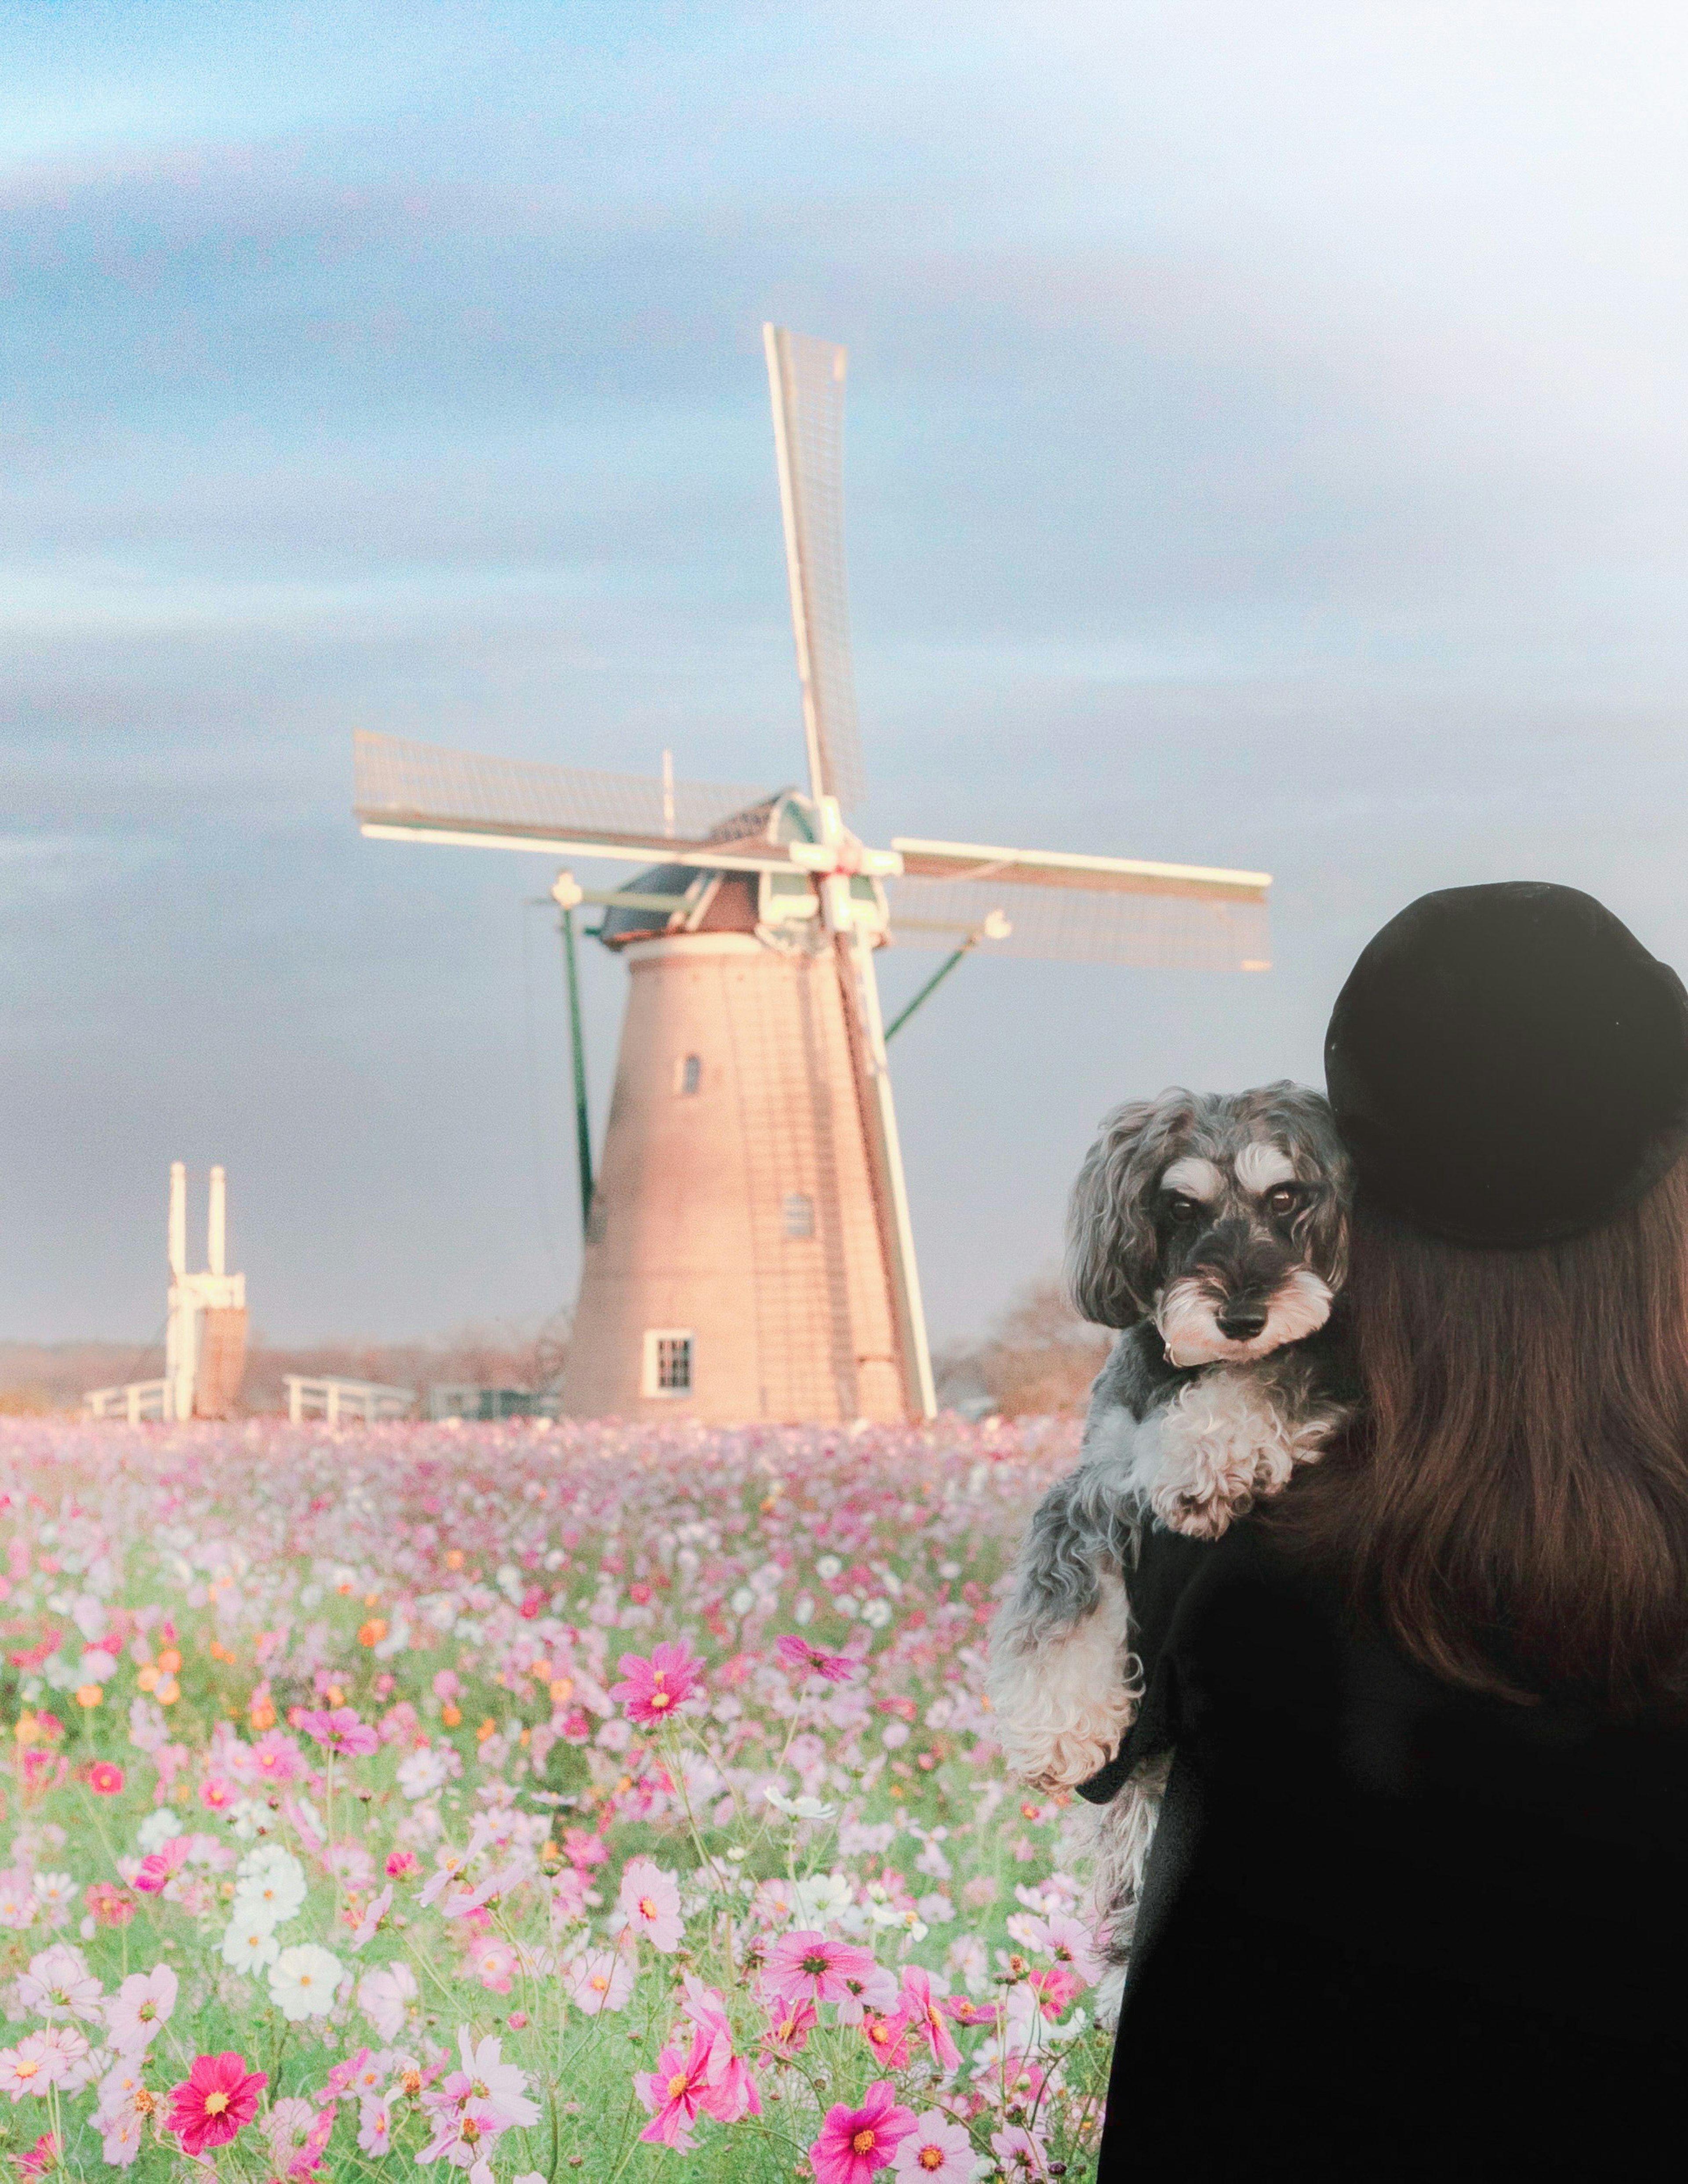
[1283,1200]
[1183,1209]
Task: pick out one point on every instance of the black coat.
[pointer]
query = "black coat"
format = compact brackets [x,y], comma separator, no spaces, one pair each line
[1389,1929]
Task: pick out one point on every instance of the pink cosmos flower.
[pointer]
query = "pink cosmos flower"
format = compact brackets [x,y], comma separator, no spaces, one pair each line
[732,2092]
[809,1966]
[105,1779]
[652,1689]
[141,2006]
[889,2039]
[599,1979]
[215,1794]
[373,1912]
[922,2000]
[855,2144]
[400,1863]
[650,1899]
[58,1984]
[673,2093]
[276,1757]
[1070,1943]
[341,1731]
[789,2035]
[937,2151]
[42,2157]
[26,2068]
[1055,1989]
[1020,2153]
[215,2101]
[161,1866]
[583,1849]
[374,2125]
[803,1657]
[877,1989]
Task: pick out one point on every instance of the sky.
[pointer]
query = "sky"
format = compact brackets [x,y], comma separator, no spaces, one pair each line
[1266,447]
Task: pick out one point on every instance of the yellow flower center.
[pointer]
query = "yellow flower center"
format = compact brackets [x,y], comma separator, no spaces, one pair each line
[660,1699]
[598,1983]
[26,2070]
[215,2103]
[647,1907]
[930,2157]
[862,2141]
[677,2085]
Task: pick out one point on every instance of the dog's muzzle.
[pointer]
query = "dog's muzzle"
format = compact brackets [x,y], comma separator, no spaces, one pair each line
[1200,1327]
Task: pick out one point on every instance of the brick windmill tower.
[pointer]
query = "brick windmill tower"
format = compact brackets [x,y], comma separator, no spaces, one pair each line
[749,1252]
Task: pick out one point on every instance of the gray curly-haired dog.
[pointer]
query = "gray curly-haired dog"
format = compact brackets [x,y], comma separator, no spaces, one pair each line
[1211,1228]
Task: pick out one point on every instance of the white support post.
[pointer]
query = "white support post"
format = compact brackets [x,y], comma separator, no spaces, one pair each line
[178,1218]
[217,1227]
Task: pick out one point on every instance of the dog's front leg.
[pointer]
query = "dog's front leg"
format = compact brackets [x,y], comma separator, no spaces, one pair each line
[1061,1680]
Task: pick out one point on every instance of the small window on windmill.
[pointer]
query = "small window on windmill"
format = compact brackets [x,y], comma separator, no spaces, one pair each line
[667,1361]
[799,1213]
[689,1076]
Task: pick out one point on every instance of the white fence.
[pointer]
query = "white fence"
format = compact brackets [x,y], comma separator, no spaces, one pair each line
[335,1400]
[135,1400]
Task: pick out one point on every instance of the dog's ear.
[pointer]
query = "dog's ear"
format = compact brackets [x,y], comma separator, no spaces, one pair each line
[1111,1247]
[1301,1122]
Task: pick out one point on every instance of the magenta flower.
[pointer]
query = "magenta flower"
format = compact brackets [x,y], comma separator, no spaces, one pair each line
[855,2144]
[674,2093]
[341,1731]
[652,1689]
[807,1966]
[276,1757]
[215,2102]
[806,1658]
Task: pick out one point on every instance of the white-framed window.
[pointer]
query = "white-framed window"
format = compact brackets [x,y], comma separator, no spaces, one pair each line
[669,1359]
[688,1077]
[798,1213]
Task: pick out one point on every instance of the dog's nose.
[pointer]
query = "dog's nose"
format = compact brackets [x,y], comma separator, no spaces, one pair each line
[1241,1322]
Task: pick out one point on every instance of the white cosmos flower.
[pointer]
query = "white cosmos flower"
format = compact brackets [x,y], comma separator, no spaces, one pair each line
[798,1808]
[303,1981]
[271,1885]
[249,1944]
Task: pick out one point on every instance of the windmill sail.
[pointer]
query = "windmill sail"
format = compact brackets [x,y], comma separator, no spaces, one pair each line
[421,789]
[1081,909]
[806,380]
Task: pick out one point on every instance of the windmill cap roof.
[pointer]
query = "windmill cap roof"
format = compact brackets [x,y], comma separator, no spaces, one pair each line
[1508,1065]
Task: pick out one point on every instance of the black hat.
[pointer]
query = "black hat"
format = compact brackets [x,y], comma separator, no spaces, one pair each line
[1508,1065]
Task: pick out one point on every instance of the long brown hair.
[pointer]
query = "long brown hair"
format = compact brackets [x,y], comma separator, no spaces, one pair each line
[1511,1500]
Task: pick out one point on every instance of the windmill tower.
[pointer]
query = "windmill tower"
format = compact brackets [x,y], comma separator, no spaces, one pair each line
[748,1248]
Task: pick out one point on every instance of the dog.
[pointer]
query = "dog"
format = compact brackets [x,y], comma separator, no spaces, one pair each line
[1212,1229]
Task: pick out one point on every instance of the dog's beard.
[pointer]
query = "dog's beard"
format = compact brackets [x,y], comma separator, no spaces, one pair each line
[1187,1315]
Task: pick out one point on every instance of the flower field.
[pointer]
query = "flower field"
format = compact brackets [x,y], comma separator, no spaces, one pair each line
[540,1801]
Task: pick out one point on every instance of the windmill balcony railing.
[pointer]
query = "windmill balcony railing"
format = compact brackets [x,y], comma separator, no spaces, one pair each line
[334,1399]
[134,1400]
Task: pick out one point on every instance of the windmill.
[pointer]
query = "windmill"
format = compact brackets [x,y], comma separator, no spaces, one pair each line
[748,1252]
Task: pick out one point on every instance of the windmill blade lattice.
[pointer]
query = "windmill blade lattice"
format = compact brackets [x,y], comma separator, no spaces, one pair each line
[1083,925]
[806,380]
[402,783]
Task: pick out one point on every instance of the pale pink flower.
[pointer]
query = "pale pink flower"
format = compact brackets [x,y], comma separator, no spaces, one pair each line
[58,1984]
[121,2137]
[1069,1941]
[1021,2153]
[385,1997]
[276,1757]
[597,1979]
[488,2077]
[373,1912]
[856,2143]
[937,2151]
[875,1990]
[141,2005]
[923,1995]
[374,2125]
[25,2068]
[731,2084]
[341,1730]
[650,1899]
[806,1965]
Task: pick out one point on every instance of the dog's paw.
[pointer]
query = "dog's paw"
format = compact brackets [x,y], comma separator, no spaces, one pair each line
[1200,1515]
